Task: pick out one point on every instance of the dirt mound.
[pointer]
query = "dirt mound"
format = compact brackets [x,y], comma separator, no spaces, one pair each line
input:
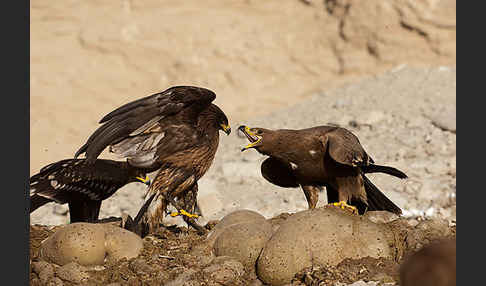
[177,256]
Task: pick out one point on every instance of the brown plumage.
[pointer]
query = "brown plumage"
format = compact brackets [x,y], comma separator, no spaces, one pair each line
[175,131]
[323,156]
[81,185]
[432,265]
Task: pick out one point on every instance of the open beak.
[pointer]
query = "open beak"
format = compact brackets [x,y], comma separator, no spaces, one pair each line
[145,180]
[252,137]
[226,129]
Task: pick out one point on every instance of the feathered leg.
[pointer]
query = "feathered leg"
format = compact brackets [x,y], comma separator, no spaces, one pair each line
[190,203]
[349,188]
[311,195]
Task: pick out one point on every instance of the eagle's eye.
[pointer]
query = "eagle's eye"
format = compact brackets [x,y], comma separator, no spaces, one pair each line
[259,132]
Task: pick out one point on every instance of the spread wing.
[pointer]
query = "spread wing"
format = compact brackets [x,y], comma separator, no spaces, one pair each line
[278,173]
[136,128]
[345,148]
[72,179]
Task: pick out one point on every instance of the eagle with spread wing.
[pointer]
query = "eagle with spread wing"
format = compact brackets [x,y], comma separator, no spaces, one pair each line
[176,132]
[81,185]
[323,156]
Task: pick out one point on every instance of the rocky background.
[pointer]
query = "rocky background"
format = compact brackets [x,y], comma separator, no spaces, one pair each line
[383,69]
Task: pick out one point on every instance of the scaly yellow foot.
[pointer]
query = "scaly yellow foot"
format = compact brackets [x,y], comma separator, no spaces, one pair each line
[183,212]
[343,205]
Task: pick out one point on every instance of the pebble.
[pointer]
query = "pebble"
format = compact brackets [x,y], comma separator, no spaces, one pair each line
[72,272]
[55,282]
[44,270]
[182,278]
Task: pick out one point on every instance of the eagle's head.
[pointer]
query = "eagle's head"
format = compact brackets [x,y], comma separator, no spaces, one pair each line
[216,117]
[257,137]
[224,124]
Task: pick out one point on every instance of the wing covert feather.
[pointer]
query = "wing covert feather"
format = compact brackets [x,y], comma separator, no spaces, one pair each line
[176,105]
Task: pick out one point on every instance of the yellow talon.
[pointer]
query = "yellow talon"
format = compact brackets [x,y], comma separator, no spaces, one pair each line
[343,205]
[145,180]
[183,212]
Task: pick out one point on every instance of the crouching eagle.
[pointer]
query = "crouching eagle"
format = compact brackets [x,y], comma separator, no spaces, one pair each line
[176,132]
[323,156]
[81,185]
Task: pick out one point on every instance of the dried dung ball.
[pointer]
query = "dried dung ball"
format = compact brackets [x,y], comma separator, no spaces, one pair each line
[89,244]
[322,236]
[235,217]
[243,241]
[78,242]
[120,243]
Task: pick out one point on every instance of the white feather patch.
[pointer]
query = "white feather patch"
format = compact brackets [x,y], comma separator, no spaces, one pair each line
[293,165]
[146,126]
[146,160]
[54,184]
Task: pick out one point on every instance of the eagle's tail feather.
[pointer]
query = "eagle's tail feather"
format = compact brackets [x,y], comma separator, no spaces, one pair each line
[84,211]
[372,168]
[377,201]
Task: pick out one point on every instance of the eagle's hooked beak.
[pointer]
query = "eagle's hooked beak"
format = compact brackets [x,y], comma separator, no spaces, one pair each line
[252,137]
[226,129]
[145,180]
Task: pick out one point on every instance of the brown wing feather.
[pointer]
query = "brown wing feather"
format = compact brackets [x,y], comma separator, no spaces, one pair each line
[345,148]
[181,104]
[74,179]
[278,173]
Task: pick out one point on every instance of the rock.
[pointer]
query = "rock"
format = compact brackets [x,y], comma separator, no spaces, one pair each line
[244,241]
[427,231]
[140,266]
[224,270]
[380,216]
[39,266]
[72,272]
[44,270]
[36,282]
[324,236]
[198,260]
[90,244]
[60,209]
[182,278]
[55,282]
[360,283]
